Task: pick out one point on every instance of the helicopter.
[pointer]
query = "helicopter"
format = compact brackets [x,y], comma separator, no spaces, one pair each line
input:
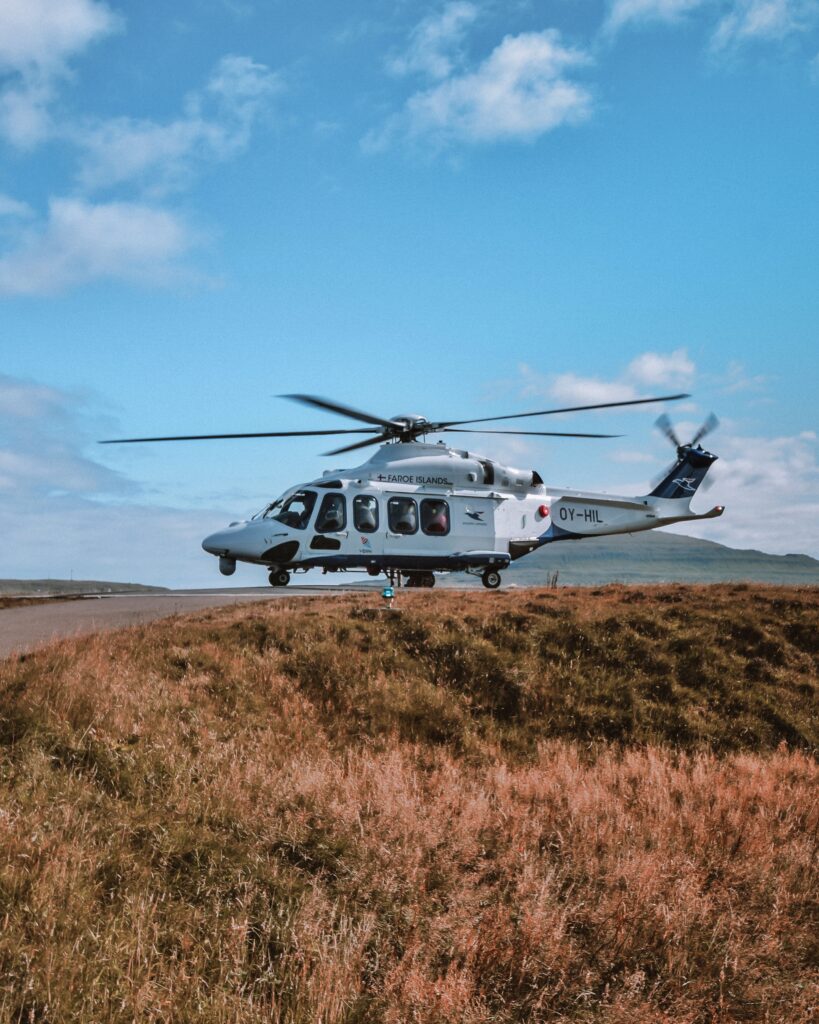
[416,508]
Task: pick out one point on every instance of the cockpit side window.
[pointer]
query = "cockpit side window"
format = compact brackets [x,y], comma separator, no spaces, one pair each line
[332,515]
[365,513]
[435,517]
[403,515]
[296,511]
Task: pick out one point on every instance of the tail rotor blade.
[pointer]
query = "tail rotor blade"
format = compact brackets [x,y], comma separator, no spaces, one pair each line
[663,424]
[710,424]
[658,478]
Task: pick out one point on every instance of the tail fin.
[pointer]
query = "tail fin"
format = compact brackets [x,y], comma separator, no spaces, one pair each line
[686,475]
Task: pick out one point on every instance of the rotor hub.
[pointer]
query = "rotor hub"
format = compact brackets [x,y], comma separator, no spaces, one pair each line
[411,421]
[410,426]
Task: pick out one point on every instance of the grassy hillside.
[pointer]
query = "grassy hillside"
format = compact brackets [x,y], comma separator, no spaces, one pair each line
[527,806]
[659,557]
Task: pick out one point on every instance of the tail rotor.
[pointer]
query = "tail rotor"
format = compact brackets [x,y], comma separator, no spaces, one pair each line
[690,457]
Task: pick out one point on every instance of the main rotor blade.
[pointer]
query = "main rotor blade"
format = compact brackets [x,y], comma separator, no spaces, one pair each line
[218,437]
[360,444]
[343,410]
[530,433]
[553,412]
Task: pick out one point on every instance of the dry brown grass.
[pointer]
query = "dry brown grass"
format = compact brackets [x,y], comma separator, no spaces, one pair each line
[305,812]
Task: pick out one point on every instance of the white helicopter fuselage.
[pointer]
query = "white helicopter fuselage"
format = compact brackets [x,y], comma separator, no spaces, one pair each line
[419,508]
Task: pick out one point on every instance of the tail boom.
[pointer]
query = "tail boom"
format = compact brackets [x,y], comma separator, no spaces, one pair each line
[575,515]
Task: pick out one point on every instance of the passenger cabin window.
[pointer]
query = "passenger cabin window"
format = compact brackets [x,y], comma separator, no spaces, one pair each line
[365,513]
[403,515]
[296,511]
[332,515]
[435,517]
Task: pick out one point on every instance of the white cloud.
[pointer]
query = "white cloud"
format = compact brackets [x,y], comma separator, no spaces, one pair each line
[740,21]
[37,40]
[571,389]
[625,12]
[45,33]
[763,20]
[517,93]
[433,42]
[650,369]
[771,467]
[44,431]
[82,241]
[62,511]
[216,125]
[655,368]
[24,117]
[77,240]
[737,379]
[10,207]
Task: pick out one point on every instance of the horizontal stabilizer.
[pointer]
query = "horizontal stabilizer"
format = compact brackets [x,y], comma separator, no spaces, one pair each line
[713,513]
[688,517]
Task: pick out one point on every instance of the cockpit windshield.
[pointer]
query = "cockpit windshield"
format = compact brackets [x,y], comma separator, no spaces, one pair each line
[294,510]
[267,511]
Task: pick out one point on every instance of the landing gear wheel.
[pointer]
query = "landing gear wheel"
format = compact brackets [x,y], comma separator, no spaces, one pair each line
[279,577]
[491,579]
[419,579]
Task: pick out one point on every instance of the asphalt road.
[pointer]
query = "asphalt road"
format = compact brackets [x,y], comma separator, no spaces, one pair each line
[24,629]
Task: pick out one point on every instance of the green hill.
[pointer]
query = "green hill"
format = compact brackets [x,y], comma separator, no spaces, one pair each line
[658,557]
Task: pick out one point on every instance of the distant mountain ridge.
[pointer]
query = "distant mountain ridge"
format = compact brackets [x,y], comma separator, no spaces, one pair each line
[657,557]
[48,588]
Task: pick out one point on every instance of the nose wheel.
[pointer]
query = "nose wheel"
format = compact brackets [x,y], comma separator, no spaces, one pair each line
[279,577]
[491,579]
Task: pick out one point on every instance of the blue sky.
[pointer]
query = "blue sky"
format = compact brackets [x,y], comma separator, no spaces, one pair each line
[459,209]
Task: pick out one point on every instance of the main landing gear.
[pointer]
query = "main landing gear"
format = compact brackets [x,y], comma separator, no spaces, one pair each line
[278,577]
[420,579]
[491,579]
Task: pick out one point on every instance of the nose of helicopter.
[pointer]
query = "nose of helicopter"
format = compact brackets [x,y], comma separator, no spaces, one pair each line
[218,543]
[246,540]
